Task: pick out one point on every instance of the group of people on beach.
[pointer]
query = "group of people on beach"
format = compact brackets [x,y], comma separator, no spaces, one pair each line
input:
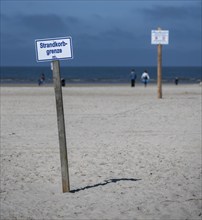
[144,77]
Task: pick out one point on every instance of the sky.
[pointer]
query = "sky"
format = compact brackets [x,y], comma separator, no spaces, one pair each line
[104,33]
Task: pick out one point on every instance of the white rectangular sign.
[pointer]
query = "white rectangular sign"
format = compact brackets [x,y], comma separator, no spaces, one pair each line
[159,37]
[53,49]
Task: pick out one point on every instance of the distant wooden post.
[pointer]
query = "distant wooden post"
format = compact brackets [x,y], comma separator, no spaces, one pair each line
[159,71]
[61,126]
[159,37]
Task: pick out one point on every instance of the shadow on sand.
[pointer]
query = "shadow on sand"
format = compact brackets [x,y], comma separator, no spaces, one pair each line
[104,183]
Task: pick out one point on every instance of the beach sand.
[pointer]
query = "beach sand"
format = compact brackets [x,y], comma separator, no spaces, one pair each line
[131,155]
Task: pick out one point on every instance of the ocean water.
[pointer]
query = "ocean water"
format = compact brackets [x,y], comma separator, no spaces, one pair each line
[15,75]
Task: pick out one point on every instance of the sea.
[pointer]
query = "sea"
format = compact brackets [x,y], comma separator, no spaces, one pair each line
[98,75]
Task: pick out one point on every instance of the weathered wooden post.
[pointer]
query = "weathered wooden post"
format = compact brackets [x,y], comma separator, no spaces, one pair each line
[159,70]
[159,37]
[61,126]
[55,49]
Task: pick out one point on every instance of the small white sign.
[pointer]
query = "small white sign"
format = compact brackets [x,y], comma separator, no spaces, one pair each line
[159,37]
[53,49]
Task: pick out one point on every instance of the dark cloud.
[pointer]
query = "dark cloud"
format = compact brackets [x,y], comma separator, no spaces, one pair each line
[39,25]
[118,33]
[43,22]
[173,13]
[72,20]
[86,40]
[3,17]
[112,38]
[7,40]
[97,17]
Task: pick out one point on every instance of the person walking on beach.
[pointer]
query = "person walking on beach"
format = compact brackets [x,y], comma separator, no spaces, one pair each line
[41,79]
[133,77]
[145,78]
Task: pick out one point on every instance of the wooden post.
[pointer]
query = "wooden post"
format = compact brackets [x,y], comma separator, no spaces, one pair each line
[159,70]
[61,126]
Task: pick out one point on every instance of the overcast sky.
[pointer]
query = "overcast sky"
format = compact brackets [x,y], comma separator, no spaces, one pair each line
[112,33]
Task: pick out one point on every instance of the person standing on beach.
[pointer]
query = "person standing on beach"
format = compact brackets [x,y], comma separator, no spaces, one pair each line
[176,81]
[133,77]
[145,78]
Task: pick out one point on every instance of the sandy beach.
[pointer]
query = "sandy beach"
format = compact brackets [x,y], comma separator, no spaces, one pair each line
[131,155]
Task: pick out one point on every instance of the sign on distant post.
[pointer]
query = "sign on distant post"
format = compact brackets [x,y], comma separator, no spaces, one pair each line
[159,37]
[53,49]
